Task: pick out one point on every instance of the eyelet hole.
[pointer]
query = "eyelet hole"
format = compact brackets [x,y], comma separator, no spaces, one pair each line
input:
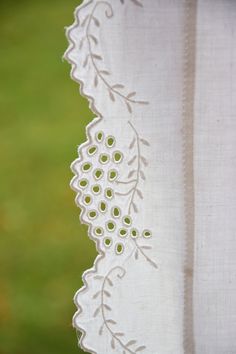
[115,212]
[83,183]
[98,173]
[102,206]
[110,141]
[147,233]
[110,226]
[92,150]
[127,220]
[86,167]
[112,175]
[117,156]
[119,248]
[99,136]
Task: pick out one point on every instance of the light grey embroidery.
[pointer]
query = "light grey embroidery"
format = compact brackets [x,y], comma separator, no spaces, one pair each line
[134,176]
[135,173]
[105,310]
[93,57]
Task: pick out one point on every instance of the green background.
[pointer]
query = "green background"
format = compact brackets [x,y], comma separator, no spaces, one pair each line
[43,247]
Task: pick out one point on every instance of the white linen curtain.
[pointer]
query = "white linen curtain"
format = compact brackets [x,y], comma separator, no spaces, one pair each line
[155,179]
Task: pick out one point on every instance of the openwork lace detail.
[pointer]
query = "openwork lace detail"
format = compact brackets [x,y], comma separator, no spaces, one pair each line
[99,192]
[100,188]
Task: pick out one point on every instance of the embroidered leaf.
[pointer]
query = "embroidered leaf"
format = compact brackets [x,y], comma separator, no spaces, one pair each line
[113,343]
[152,263]
[96,56]
[142,102]
[96,81]
[128,107]
[135,207]
[145,142]
[136,254]
[146,247]
[109,281]
[132,143]
[131,342]
[119,334]
[131,173]
[131,94]
[145,162]
[138,3]
[100,330]
[139,349]
[107,307]
[107,293]
[111,321]
[104,72]
[96,295]
[84,21]
[98,277]
[132,160]
[112,97]
[139,193]
[97,23]
[117,86]
[86,61]
[94,39]
[96,311]
[142,175]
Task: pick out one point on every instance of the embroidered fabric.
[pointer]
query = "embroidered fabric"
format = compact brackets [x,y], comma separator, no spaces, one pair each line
[150,179]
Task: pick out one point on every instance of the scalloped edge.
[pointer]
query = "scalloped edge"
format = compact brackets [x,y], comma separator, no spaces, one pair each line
[95,121]
[74,66]
[98,117]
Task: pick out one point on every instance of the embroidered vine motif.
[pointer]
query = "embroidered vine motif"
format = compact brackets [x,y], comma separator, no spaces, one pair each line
[98,177]
[138,172]
[108,323]
[101,74]
[134,190]
[97,185]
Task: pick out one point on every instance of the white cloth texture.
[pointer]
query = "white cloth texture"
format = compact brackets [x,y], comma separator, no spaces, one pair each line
[155,180]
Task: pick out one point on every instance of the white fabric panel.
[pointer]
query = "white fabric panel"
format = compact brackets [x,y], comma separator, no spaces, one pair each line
[160,76]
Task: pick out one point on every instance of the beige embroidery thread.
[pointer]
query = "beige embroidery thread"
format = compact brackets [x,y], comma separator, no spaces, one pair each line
[93,57]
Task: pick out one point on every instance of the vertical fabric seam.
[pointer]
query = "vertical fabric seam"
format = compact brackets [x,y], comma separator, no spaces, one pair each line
[190,19]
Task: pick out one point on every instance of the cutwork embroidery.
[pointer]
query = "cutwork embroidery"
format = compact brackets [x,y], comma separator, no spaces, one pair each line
[99,204]
[97,179]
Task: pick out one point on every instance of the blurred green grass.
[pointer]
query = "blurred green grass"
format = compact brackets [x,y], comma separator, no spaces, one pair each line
[43,247]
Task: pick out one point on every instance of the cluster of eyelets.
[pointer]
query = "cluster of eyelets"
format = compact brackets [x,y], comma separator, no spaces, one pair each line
[102,169]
